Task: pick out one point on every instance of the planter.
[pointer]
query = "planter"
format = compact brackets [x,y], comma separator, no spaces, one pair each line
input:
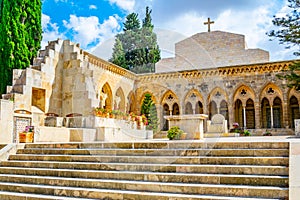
[183,136]
[26,137]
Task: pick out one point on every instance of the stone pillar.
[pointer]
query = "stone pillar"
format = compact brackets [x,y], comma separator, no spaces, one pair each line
[244,114]
[294,172]
[230,115]
[285,121]
[297,127]
[257,111]
[272,116]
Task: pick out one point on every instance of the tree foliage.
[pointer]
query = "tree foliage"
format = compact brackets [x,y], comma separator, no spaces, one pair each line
[20,36]
[146,105]
[139,44]
[149,110]
[288,33]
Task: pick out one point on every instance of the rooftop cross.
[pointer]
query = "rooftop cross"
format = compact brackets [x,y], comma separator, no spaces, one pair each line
[208,23]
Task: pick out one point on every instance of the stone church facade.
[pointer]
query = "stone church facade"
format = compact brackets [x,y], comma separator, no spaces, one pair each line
[219,77]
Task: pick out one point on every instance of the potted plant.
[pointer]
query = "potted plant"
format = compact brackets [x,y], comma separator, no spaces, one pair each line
[267,133]
[174,133]
[27,135]
[245,133]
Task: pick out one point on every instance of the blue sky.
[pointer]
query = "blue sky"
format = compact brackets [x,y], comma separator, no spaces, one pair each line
[93,23]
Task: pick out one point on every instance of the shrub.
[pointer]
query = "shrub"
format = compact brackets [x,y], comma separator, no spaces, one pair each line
[174,133]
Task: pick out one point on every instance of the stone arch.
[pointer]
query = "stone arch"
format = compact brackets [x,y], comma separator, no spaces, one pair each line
[217,95]
[196,100]
[130,102]
[293,106]
[170,99]
[120,102]
[271,91]
[243,93]
[106,98]
[244,109]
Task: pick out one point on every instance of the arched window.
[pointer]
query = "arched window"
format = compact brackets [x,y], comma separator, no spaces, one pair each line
[293,110]
[166,112]
[238,113]
[175,110]
[250,114]
[212,109]
[265,113]
[277,113]
[199,108]
[188,108]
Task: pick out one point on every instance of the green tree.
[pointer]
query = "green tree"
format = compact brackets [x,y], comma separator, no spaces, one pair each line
[20,36]
[139,44]
[118,56]
[288,34]
[149,110]
[147,22]
[146,105]
[132,22]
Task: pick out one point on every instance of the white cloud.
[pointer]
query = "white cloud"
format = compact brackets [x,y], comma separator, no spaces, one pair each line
[87,30]
[126,5]
[93,7]
[50,31]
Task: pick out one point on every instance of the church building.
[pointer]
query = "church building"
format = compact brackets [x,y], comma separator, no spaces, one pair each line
[211,73]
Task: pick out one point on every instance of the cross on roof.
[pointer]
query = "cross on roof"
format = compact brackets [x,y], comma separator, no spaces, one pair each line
[208,23]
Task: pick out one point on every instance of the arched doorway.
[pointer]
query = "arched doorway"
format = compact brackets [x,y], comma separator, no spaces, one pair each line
[250,114]
[294,110]
[238,112]
[199,108]
[120,100]
[224,109]
[188,108]
[175,110]
[212,109]
[277,113]
[166,112]
[265,113]
[106,97]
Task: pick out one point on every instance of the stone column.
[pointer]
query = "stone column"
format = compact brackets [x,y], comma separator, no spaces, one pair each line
[244,114]
[230,115]
[257,115]
[272,119]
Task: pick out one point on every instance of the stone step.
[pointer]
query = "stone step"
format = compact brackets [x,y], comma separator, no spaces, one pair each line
[183,168]
[165,145]
[160,152]
[99,187]
[267,161]
[236,179]
[133,195]
[29,196]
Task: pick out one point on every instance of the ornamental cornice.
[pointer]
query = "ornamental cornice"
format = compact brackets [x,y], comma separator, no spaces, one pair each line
[240,70]
[109,66]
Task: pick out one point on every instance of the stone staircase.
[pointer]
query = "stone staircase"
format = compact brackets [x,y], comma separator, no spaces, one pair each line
[161,170]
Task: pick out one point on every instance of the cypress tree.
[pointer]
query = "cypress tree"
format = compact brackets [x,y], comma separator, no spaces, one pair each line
[139,44]
[20,36]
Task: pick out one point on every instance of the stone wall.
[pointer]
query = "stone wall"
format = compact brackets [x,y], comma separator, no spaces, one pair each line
[212,49]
